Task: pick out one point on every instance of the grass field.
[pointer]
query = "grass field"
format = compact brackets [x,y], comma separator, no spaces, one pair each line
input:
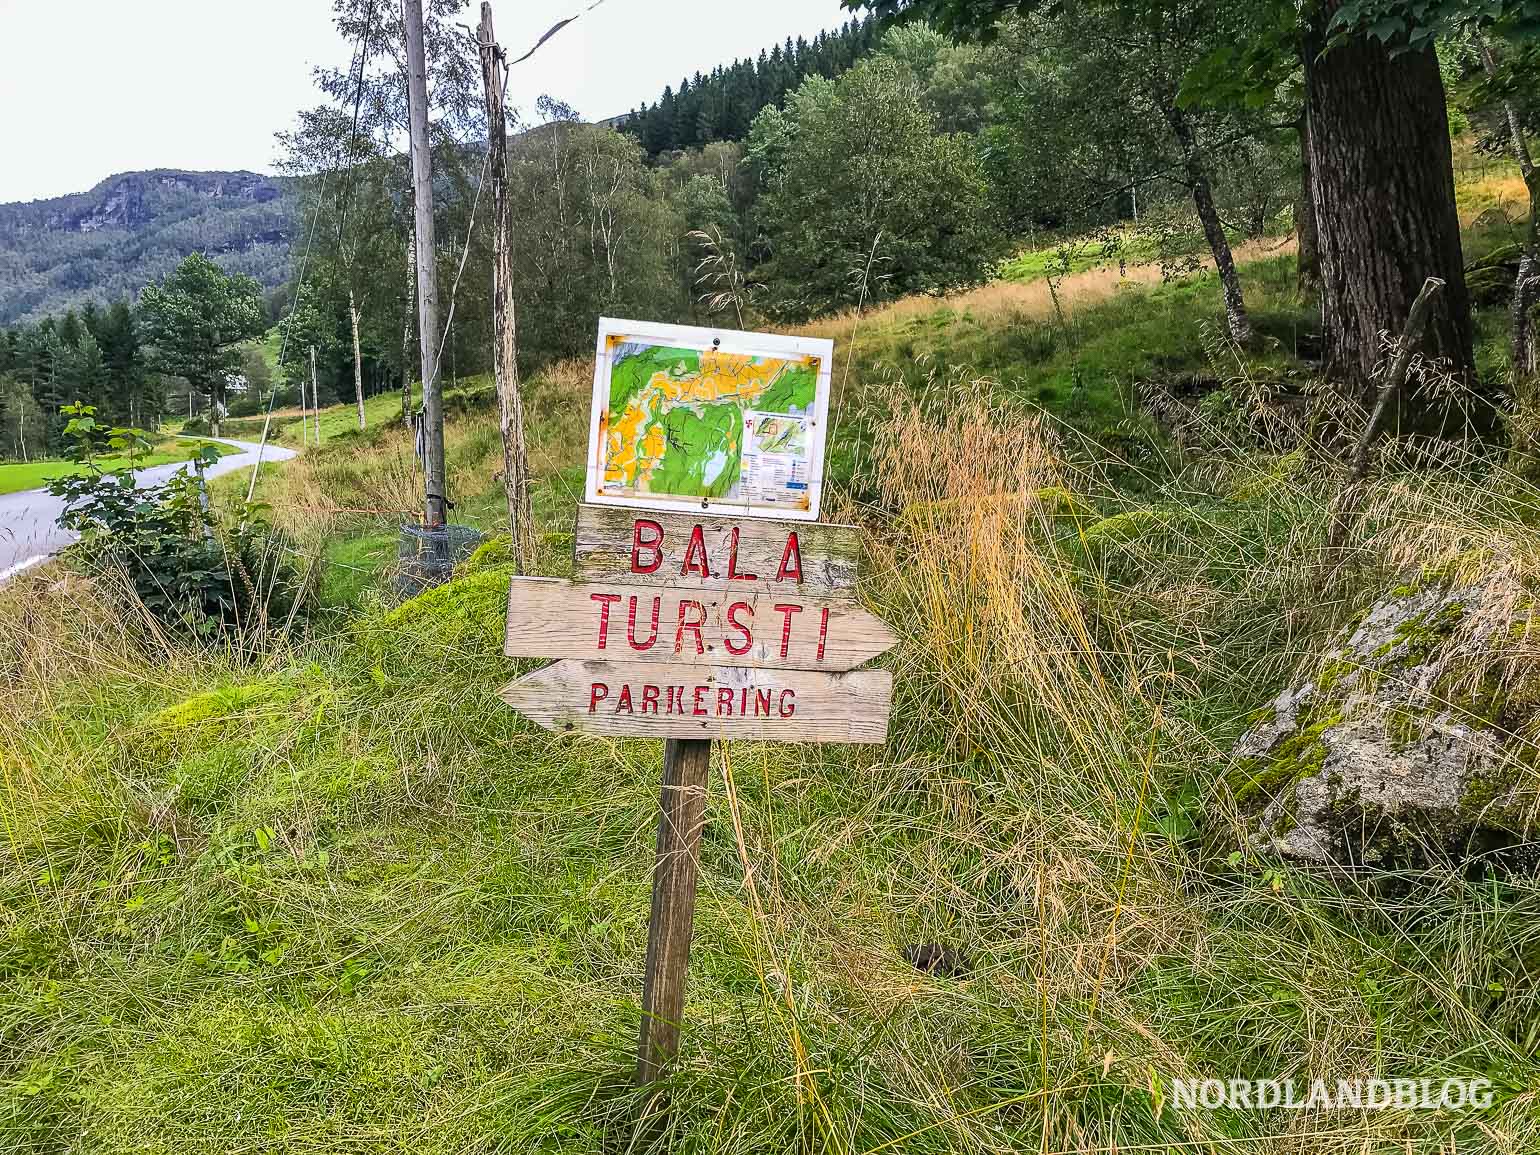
[16,476]
[332,895]
[295,428]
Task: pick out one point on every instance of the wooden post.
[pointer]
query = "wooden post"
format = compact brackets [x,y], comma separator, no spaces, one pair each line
[406,331]
[436,510]
[358,357]
[315,400]
[510,403]
[686,765]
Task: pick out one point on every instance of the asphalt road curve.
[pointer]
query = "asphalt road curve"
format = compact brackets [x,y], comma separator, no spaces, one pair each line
[29,521]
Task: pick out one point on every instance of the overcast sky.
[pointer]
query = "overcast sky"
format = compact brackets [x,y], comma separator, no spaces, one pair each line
[89,88]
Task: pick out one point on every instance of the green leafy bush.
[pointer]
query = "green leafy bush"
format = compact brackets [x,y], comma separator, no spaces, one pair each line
[192,573]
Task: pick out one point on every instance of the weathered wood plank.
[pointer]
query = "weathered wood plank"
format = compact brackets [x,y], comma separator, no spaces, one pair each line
[654,700]
[556,619]
[682,815]
[640,547]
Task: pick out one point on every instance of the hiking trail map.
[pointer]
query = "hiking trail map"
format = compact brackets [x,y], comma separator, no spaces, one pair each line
[708,419]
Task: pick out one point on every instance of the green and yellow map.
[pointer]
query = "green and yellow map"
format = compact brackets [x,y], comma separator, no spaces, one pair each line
[691,424]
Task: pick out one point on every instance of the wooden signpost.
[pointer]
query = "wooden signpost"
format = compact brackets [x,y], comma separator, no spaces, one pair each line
[690,626]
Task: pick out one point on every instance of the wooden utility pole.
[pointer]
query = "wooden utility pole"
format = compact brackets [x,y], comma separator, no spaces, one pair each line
[510,403]
[686,765]
[436,508]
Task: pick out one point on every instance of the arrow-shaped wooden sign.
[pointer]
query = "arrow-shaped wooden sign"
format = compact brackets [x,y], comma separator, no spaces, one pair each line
[654,700]
[556,619]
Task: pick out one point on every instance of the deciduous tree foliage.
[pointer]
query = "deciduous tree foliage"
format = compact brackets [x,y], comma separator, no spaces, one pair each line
[1378,147]
[193,322]
[356,239]
[595,235]
[860,196]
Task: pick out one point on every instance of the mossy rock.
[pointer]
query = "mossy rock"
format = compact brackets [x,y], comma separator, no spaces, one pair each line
[244,705]
[1406,742]
[1129,526]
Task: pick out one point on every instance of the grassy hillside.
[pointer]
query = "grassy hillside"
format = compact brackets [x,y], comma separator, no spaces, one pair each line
[334,895]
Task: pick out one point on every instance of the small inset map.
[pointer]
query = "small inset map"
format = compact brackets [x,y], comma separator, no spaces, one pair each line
[783,435]
[685,426]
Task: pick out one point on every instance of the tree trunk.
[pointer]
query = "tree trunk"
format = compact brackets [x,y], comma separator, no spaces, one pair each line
[358,358]
[1384,199]
[1236,318]
[406,331]
[1526,293]
[1308,256]
[505,345]
[1526,286]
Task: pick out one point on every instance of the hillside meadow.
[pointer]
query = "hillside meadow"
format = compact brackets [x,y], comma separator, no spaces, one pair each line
[325,892]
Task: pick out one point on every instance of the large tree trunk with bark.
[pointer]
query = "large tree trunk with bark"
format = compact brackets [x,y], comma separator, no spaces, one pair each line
[1236,318]
[1385,211]
[1526,295]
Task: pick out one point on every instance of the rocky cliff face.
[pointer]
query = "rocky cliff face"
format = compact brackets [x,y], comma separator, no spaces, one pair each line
[132,228]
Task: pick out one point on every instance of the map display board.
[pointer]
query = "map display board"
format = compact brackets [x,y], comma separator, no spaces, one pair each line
[708,420]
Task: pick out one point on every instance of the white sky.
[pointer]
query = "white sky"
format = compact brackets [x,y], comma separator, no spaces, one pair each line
[89,88]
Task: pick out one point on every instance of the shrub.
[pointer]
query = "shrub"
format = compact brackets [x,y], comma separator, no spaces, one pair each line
[192,573]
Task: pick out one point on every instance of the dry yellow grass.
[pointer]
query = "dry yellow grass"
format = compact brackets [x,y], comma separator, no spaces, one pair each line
[1506,192]
[1007,301]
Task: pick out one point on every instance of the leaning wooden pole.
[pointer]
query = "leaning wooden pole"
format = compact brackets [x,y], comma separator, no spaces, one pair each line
[686,766]
[1345,509]
[505,342]
[436,508]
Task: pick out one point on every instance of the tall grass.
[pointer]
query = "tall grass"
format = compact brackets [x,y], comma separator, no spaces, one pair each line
[335,896]
[343,899]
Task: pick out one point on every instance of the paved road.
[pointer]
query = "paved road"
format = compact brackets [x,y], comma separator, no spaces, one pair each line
[29,521]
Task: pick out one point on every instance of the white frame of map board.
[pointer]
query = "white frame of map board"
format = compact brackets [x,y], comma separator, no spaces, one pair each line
[702,339]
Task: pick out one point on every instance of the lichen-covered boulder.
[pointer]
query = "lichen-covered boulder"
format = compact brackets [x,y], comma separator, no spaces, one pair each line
[1414,741]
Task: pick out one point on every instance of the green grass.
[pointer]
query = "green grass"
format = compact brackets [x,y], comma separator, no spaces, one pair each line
[384,409]
[336,896]
[344,898]
[1078,254]
[16,476]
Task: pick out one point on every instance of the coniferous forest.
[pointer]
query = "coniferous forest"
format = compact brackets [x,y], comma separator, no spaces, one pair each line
[722,105]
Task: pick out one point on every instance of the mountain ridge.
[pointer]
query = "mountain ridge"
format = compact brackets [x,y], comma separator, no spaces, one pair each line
[134,227]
